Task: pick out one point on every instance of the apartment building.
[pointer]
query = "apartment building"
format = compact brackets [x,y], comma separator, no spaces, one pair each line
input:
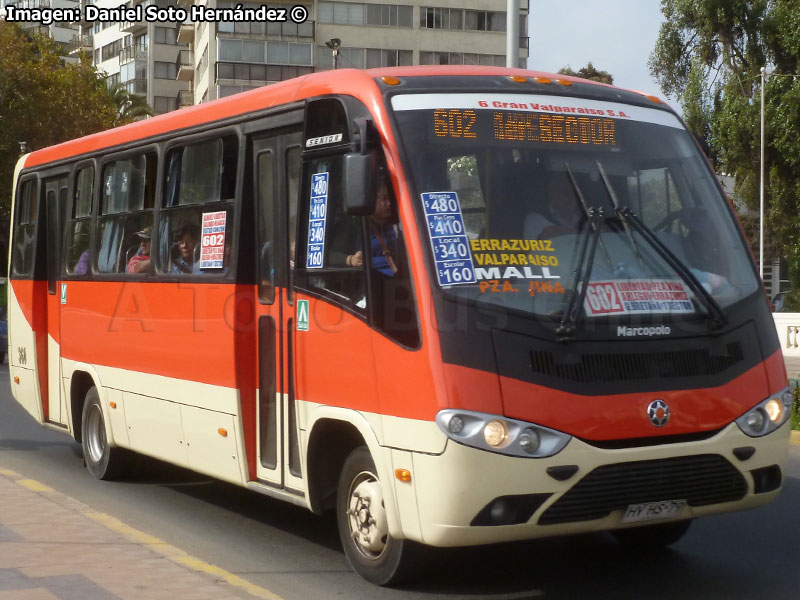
[143,56]
[181,64]
[62,33]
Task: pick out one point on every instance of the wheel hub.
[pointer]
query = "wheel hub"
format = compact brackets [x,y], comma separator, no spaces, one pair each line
[367,516]
[96,434]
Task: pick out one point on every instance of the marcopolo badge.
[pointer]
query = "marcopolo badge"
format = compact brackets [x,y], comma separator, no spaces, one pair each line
[658,413]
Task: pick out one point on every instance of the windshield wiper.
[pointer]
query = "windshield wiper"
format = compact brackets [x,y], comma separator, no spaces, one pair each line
[586,210]
[628,218]
[581,276]
[617,207]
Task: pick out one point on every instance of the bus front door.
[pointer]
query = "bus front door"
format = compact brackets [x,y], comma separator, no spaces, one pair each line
[56,193]
[276,169]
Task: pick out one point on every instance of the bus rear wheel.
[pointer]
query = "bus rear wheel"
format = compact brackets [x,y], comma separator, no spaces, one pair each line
[363,527]
[102,461]
[652,537]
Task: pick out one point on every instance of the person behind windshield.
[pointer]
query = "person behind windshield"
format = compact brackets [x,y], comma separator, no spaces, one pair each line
[140,262]
[186,241]
[383,235]
[560,215]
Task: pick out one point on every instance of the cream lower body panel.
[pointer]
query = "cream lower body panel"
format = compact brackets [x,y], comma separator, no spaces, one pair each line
[191,424]
[452,488]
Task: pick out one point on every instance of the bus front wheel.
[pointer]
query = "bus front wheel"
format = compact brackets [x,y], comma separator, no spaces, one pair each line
[363,528]
[102,461]
[652,537]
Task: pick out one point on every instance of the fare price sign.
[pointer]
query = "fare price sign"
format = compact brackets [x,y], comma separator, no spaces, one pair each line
[448,238]
[317,216]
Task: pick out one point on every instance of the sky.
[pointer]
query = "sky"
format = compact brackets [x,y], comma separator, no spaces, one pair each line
[616,36]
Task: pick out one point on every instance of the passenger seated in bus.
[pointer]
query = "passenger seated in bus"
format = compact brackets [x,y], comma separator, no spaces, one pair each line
[82,266]
[559,216]
[183,259]
[383,235]
[140,262]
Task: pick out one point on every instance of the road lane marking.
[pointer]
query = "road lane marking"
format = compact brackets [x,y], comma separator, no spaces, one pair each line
[34,485]
[179,556]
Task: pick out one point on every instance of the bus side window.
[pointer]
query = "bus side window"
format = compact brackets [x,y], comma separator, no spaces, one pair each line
[25,217]
[393,309]
[126,213]
[80,226]
[196,221]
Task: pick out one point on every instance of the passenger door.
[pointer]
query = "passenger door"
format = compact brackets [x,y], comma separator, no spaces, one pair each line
[276,178]
[56,190]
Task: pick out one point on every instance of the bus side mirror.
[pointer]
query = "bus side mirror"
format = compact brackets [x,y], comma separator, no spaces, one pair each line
[360,183]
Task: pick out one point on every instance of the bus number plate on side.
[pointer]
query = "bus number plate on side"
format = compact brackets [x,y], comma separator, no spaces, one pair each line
[651,511]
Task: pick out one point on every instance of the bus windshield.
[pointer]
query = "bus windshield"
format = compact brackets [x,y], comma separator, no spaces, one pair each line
[527,198]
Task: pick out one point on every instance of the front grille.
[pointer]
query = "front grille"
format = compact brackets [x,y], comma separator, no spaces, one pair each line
[700,480]
[599,368]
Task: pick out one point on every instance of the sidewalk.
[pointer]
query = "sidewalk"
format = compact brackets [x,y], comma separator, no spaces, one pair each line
[54,547]
[792,366]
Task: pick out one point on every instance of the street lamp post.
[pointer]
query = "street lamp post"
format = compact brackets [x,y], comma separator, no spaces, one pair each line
[761,185]
[512,34]
[334,44]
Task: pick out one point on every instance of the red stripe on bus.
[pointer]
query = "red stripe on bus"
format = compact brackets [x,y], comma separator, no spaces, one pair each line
[624,416]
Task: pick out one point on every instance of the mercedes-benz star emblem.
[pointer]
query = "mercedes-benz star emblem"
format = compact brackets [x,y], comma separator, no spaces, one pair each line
[658,413]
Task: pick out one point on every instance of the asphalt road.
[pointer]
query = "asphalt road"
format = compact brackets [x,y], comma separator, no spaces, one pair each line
[291,552]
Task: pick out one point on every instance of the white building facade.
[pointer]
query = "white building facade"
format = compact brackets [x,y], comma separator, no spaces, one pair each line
[62,33]
[181,64]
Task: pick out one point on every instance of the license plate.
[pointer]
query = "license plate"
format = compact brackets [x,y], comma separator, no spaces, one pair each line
[651,511]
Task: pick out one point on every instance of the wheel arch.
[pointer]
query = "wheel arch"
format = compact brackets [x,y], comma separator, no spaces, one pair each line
[333,435]
[82,379]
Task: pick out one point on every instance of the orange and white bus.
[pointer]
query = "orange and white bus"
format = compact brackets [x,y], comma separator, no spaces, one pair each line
[456,305]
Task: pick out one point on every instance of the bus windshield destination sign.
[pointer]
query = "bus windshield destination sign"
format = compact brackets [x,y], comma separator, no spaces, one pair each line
[526,127]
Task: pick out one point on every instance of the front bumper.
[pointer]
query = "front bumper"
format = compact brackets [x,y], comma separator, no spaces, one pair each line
[456,489]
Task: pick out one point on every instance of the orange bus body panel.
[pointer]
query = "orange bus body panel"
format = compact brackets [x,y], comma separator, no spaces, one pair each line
[353,82]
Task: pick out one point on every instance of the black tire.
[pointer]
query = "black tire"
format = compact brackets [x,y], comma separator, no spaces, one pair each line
[2,357]
[370,550]
[102,461]
[652,537]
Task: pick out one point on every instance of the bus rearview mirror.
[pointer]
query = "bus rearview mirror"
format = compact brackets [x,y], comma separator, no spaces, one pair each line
[360,183]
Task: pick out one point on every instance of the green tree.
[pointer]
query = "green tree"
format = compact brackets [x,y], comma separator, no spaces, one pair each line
[696,102]
[709,54]
[588,72]
[44,100]
[130,107]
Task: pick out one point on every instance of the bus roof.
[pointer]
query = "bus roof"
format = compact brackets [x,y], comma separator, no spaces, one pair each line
[285,92]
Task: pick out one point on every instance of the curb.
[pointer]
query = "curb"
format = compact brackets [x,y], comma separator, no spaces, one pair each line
[795,437]
[157,546]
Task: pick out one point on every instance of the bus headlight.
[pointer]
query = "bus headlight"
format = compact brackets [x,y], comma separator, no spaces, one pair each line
[495,433]
[501,435]
[529,440]
[768,415]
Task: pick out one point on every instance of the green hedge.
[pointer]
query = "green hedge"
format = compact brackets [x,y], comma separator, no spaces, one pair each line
[796,405]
